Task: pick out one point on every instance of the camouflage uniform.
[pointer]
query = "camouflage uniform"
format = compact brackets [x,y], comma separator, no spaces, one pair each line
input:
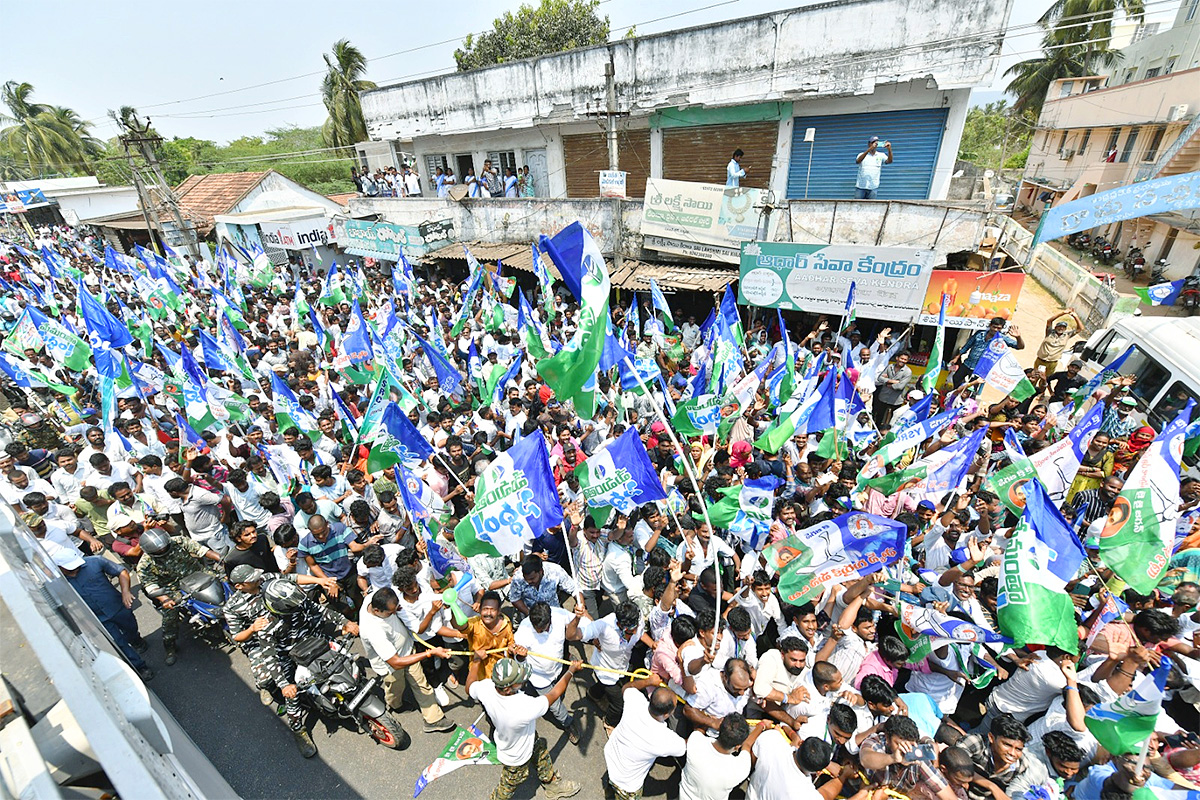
[42,436]
[241,609]
[311,619]
[165,572]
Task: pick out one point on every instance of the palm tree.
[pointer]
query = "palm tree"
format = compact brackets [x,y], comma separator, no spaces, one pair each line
[38,139]
[1078,33]
[339,92]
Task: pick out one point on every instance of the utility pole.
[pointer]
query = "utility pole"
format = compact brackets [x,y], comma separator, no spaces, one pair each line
[149,210]
[139,136]
[610,80]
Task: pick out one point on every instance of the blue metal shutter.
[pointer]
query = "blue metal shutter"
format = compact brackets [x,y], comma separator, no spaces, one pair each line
[916,137]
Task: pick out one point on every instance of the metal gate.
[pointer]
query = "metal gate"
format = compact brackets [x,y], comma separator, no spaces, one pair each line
[916,137]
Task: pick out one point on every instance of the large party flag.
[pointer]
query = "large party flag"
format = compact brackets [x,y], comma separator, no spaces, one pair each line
[515,502]
[543,276]
[476,280]
[189,435]
[1001,370]
[331,290]
[924,629]
[355,347]
[23,374]
[619,476]
[699,416]
[395,440]
[500,378]
[1055,466]
[528,327]
[101,324]
[933,366]
[1042,554]
[1161,294]
[729,312]
[63,346]
[1139,535]
[660,304]
[288,411]
[575,253]
[833,552]
[794,419]
[1123,725]
[745,509]
[449,378]
[1100,378]
[906,439]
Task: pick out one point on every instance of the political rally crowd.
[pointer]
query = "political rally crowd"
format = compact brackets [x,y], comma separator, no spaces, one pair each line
[779,564]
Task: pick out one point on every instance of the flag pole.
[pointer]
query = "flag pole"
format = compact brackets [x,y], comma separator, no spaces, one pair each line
[691,473]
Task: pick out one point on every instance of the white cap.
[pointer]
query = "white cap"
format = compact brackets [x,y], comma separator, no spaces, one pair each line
[916,394]
[118,520]
[64,557]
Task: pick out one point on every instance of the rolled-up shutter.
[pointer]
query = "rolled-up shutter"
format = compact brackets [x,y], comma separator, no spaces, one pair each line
[586,154]
[916,137]
[700,153]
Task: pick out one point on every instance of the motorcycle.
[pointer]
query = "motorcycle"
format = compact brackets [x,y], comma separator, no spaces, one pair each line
[1098,245]
[331,682]
[201,607]
[1080,241]
[1135,263]
[1158,275]
[1189,297]
[1108,253]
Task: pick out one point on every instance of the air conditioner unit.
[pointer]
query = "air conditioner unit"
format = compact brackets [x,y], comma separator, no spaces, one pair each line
[1178,112]
[1065,154]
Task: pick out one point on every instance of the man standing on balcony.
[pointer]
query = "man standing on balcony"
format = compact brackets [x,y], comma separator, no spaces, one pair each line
[734,171]
[870,165]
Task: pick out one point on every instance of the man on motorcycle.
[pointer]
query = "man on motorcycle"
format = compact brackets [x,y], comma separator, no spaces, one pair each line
[166,560]
[298,617]
[246,615]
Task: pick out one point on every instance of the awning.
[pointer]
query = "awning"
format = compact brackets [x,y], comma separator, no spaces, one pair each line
[135,222]
[636,275]
[516,256]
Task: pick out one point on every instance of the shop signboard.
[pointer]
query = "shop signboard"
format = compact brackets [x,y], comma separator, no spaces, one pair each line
[890,282]
[975,297]
[702,220]
[386,241]
[297,234]
[612,183]
[21,200]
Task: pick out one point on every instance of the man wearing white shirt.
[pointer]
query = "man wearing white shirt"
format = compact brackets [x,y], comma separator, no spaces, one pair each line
[547,630]
[783,772]
[734,171]
[67,480]
[388,645]
[105,473]
[614,637]
[154,484]
[245,498]
[641,737]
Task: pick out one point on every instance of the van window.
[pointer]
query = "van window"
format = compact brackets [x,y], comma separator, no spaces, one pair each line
[1151,376]
[1171,404]
[1111,345]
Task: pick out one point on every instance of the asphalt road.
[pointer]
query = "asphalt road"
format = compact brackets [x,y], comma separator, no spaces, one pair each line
[212,695]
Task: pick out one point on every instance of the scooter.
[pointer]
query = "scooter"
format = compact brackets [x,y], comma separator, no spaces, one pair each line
[201,607]
[332,682]
[1189,298]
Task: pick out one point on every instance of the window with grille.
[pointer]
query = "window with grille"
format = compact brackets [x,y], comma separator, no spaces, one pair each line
[502,160]
[1153,72]
[1171,62]
[1065,89]
[1155,143]
[1112,141]
[1083,142]
[431,166]
[1130,142]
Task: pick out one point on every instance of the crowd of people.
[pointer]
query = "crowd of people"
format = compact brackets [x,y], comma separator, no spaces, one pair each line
[406,182]
[261,467]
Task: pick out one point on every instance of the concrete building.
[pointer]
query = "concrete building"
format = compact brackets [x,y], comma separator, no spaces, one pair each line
[80,200]
[686,99]
[1137,123]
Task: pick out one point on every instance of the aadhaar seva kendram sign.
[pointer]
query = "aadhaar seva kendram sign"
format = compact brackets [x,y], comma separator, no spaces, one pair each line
[890,282]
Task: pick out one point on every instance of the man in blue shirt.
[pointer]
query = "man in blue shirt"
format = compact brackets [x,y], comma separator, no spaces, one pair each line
[90,579]
[972,350]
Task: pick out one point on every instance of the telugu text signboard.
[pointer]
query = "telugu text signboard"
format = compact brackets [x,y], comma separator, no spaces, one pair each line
[386,241]
[890,282]
[612,183]
[975,297]
[703,220]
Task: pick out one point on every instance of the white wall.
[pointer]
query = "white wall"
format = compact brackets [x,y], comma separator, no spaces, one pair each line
[99,202]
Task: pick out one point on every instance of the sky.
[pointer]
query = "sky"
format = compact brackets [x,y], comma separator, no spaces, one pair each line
[188,65]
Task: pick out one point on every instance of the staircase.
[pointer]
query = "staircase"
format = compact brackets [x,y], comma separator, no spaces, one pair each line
[1182,156]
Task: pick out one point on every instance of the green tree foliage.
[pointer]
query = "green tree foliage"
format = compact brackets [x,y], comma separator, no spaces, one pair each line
[339,91]
[993,133]
[41,140]
[322,171]
[1078,33]
[551,27]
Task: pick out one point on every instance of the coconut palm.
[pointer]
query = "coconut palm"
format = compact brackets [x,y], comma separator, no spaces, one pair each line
[38,139]
[1065,54]
[1093,16]
[339,91]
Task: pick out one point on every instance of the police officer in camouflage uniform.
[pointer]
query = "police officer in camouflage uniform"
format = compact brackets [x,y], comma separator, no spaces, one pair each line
[166,560]
[296,618]
[37,433]
[246,615]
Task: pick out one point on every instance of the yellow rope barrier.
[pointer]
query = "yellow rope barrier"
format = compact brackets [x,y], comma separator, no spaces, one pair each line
[637,674]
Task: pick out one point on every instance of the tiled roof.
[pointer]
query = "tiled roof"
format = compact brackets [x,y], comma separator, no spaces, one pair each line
[342,198]
[201,197]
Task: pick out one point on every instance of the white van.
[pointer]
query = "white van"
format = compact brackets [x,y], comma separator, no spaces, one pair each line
[1165,359]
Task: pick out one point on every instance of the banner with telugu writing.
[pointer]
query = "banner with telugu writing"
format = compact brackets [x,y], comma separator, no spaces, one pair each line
[890,282]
